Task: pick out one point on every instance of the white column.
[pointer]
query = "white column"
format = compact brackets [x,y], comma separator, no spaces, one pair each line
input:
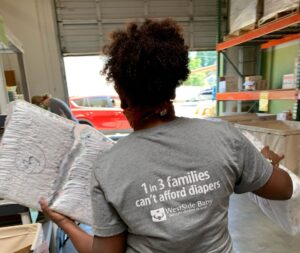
[3,91]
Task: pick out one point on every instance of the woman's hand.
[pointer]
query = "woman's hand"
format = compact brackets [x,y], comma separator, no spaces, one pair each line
[81,240]
[272,156]
[56,217]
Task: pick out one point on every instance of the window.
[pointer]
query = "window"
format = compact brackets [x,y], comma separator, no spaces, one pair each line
[100,102]
[79,101]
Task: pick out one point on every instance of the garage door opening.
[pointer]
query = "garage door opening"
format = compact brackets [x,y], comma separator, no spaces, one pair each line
[94,101]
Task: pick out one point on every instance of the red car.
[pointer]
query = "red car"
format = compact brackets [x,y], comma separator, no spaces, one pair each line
[102,112]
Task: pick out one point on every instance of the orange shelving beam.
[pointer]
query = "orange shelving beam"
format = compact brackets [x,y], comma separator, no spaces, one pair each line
[291,94]
[261,31]
[276,42]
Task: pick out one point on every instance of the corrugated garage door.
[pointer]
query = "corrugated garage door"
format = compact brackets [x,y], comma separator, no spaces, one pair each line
[84,25]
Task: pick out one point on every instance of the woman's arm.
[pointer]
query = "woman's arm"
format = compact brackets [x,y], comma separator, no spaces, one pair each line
[113,244]
[81,240]
[280,185]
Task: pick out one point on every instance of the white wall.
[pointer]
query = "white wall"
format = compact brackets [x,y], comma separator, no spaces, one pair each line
[33,23]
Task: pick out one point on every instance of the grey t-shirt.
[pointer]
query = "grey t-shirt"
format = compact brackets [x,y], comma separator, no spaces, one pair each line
[169,186]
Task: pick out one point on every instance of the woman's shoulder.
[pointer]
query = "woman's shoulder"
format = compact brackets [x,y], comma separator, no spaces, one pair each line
[213,124]
[217,129]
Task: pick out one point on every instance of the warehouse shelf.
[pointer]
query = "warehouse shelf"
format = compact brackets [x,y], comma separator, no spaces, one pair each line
[288,94]
[279,31]
[265,33]
[276,42]
[9,44]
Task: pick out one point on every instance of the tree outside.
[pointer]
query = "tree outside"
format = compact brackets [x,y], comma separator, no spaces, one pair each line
[202,65]
[191,101]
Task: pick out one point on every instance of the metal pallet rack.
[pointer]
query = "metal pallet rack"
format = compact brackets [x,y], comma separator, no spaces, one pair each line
[271,34]
[9,44]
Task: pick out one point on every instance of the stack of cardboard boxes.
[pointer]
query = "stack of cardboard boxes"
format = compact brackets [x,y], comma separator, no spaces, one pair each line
[230,84]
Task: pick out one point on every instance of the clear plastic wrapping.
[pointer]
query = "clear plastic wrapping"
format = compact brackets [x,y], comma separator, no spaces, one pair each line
[283,137]
[284,213]
[272,7]
[243,13]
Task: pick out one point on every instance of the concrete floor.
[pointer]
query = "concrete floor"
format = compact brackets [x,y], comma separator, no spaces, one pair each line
[253,232]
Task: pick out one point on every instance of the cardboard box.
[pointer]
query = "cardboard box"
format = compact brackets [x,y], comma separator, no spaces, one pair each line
[244,14]
[10,78]
[285,115]
[258,82]
[289,81]
[283,137]
[262,85]
[271,8]
[21,237]
[228,84]
[253,78]
[246,117]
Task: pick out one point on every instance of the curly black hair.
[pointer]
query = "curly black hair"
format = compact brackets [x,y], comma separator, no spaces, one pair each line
[147,61]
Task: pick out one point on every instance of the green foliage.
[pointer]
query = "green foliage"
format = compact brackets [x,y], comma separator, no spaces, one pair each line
[195,63]
[199,59]
[208,58]
[196,80]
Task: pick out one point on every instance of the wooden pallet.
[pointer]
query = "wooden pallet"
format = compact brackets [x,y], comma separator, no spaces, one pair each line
[240,31]
[278,15]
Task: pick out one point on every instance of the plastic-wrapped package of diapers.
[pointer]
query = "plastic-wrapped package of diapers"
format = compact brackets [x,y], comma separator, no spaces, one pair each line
[45,155]
[284,213]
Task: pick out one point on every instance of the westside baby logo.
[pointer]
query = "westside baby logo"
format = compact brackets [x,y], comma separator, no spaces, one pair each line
[158,215]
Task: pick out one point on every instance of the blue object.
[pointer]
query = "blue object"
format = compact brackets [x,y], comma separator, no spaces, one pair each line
[214,92]
[63,242]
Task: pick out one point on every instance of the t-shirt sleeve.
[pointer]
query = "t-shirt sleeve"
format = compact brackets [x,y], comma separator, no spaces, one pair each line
[60,108]
[254,169]
[106,220]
